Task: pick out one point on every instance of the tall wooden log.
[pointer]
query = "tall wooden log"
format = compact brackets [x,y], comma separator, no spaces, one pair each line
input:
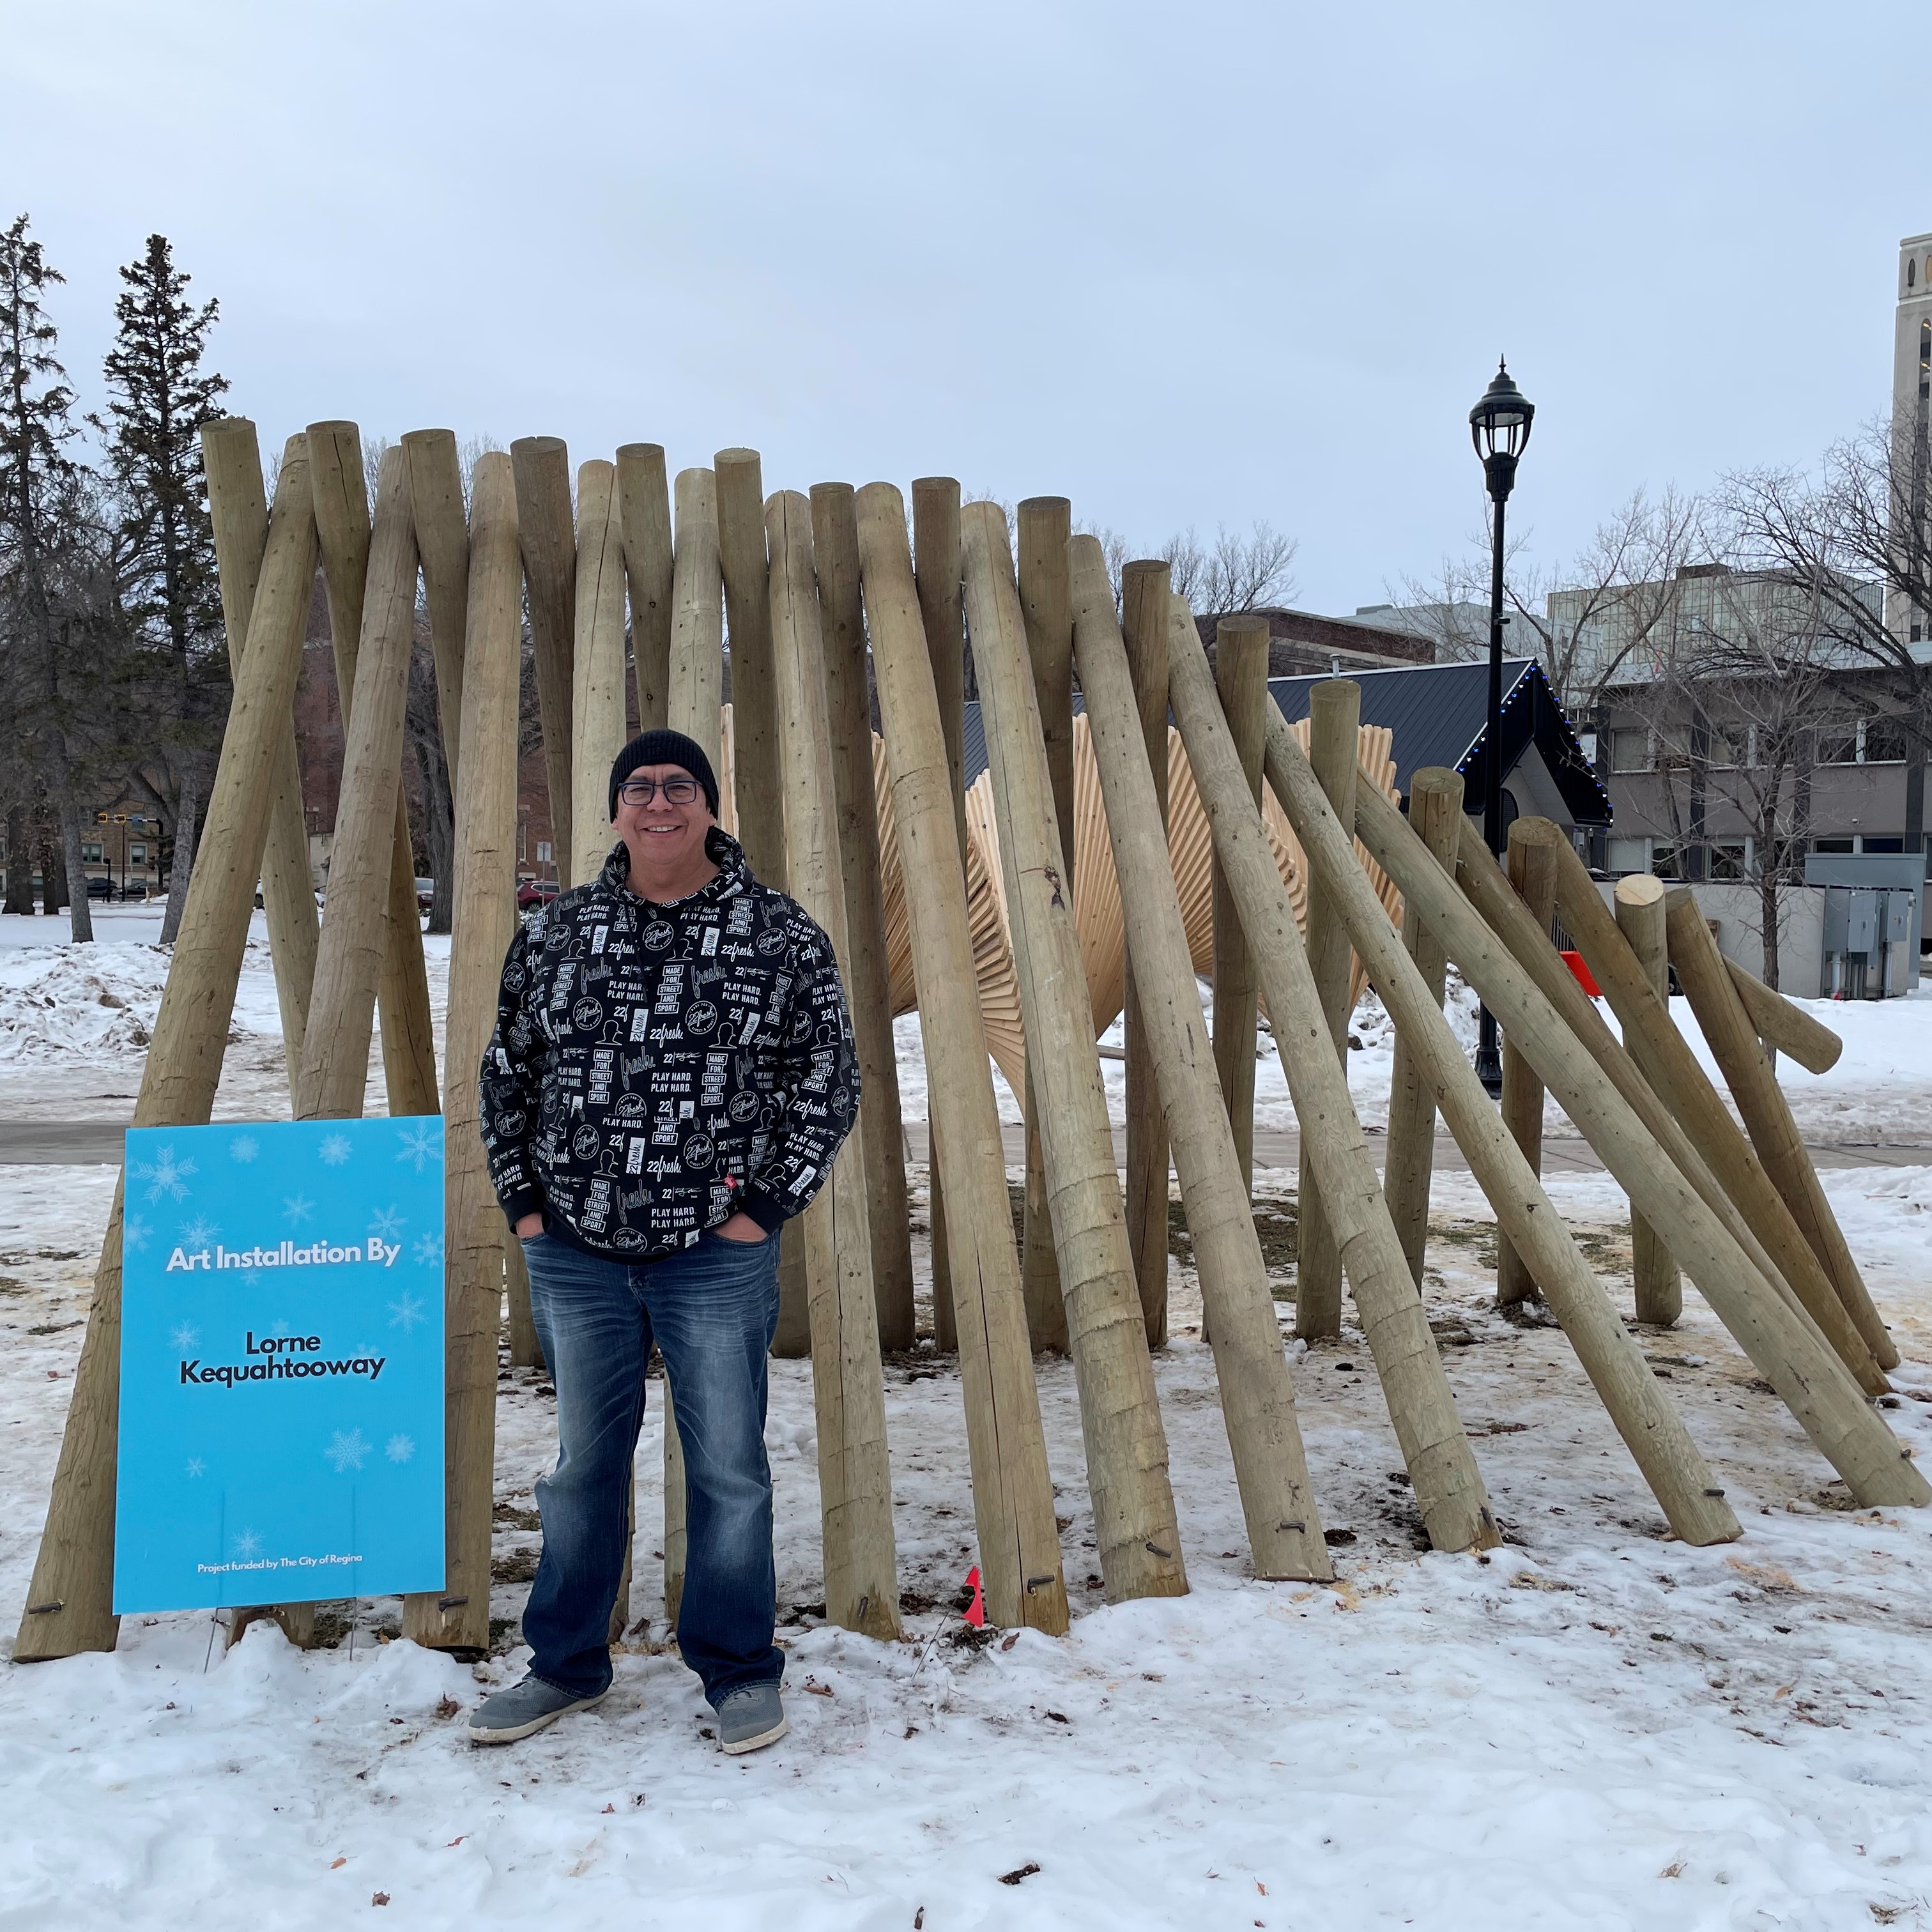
[855,1478]
[1532,871]
[526,1351]
[597,726]
[1045,523]
[232,462]
[1787,1348]
[1676,1471]
[1733,1039]
[1257,1395]
[435,475]
[1783,1027]
[1448,1487]
[1012,1493]
[1665,1058]
[1435,811]
[1145,587]
[547,532]
[939,579]
[1334,724]
[754,699]
[643,501]
[697,616]
[458,1616]
[1640,914]
[70,1600]
[1134,1519]
[835,532]
[342,528]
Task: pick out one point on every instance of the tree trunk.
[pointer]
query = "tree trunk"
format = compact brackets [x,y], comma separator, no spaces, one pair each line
[82,910]
[20,863]
[186,828]
[53,875]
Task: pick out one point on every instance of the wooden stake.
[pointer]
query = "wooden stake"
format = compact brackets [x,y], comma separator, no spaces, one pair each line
[1655,1434]
[1532,871]
[1126,1447]
[597,688]
[1783,1027]
[935,538]
[834,531]
[548,533]
[1733,1039]
[1012,1493]
[70,1600]
[231,463]
[1666,1062]
[1257,1396]
[434,473]
[1045,523]
[1144,589]
[855,1480]
[1334,727]
[1448,1486]
[458,1616]
[1435,811]
[754,700]
[1787,1348]
[1640,915]
[697,616]
[643,503]
[526,1351]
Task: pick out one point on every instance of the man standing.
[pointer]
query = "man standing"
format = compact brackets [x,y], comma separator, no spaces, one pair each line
[672,1073]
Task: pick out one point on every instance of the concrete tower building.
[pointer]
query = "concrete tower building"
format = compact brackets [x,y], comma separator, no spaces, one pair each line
[1911,411]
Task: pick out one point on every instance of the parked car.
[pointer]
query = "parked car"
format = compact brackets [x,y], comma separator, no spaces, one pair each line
[534,893]
[425,891]
[100,889]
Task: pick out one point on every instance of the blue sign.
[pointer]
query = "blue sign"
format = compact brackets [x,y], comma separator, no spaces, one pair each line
[281,1364]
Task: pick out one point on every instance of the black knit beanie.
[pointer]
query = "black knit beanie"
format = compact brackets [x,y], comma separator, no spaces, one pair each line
[664,747]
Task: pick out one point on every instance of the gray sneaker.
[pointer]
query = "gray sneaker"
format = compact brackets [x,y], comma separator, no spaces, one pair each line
[750,1718]
[504,1716]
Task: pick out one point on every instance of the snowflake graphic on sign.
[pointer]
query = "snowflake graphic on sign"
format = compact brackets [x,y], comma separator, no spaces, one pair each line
[421,1144]
[196,1467]
[348,1449]
[386,1223]
[198,1233]
[244,1147]
[429,1250]
[246,1545]
[399,1448]
[297,1207]
[165,1175]
[135,1233]
[405,1313]
[333,1150]
[185,1336]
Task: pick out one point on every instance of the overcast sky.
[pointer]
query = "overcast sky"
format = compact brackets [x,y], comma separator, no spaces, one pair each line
[1185,264]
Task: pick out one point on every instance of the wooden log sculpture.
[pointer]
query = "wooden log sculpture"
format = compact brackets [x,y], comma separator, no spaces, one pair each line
[1134,1520]
[1783,1027]
[1257,1394]
[1658,1282]
[1435,811]
[597,709]
[643,512]
[1012,1493]
[548,533]
[475,1239]
[1532,871]
[435,475]
[855,1479]
[696,616]
[1448,1486]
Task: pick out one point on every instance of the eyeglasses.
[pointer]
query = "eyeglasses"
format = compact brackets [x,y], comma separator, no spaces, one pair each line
[641,791]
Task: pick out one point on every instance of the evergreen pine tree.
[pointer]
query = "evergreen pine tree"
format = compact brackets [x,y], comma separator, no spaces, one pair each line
[159,396]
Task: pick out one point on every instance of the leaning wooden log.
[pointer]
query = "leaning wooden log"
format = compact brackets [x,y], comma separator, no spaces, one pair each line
[69,1599]
[525,1352]
[1145,587]
[1257,1394]
[835,534]
[1655,1275]
[855,1477]
[1044,524]
[935,544]
[697,615]
[1126,1446]
[435,474]
[1733,1039]
[1787,1348]
[1448,1486]
[1435,811]
[597,711]
[1664,1057]
[1652,1430]
[1012,1493]
[741,552]
[643,501]
[1532,871]
[458,1616]
[231,463]
[1335,725]
[547,532]
[1784,1027]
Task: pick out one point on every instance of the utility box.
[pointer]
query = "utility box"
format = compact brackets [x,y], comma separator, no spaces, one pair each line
[1874,913]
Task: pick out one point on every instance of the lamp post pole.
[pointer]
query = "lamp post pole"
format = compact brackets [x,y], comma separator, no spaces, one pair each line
[1499,428]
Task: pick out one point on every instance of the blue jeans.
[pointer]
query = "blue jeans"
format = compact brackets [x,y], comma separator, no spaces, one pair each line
[712,1309]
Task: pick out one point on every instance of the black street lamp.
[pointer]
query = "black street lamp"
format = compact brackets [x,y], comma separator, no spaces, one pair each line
[1499,428]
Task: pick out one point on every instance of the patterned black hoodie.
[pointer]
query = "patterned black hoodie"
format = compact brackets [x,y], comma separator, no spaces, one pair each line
[656,1068]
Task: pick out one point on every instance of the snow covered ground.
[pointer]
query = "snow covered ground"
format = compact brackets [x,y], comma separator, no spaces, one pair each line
[1593,1726]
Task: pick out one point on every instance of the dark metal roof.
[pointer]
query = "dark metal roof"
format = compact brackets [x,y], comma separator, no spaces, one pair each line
[1438,713]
